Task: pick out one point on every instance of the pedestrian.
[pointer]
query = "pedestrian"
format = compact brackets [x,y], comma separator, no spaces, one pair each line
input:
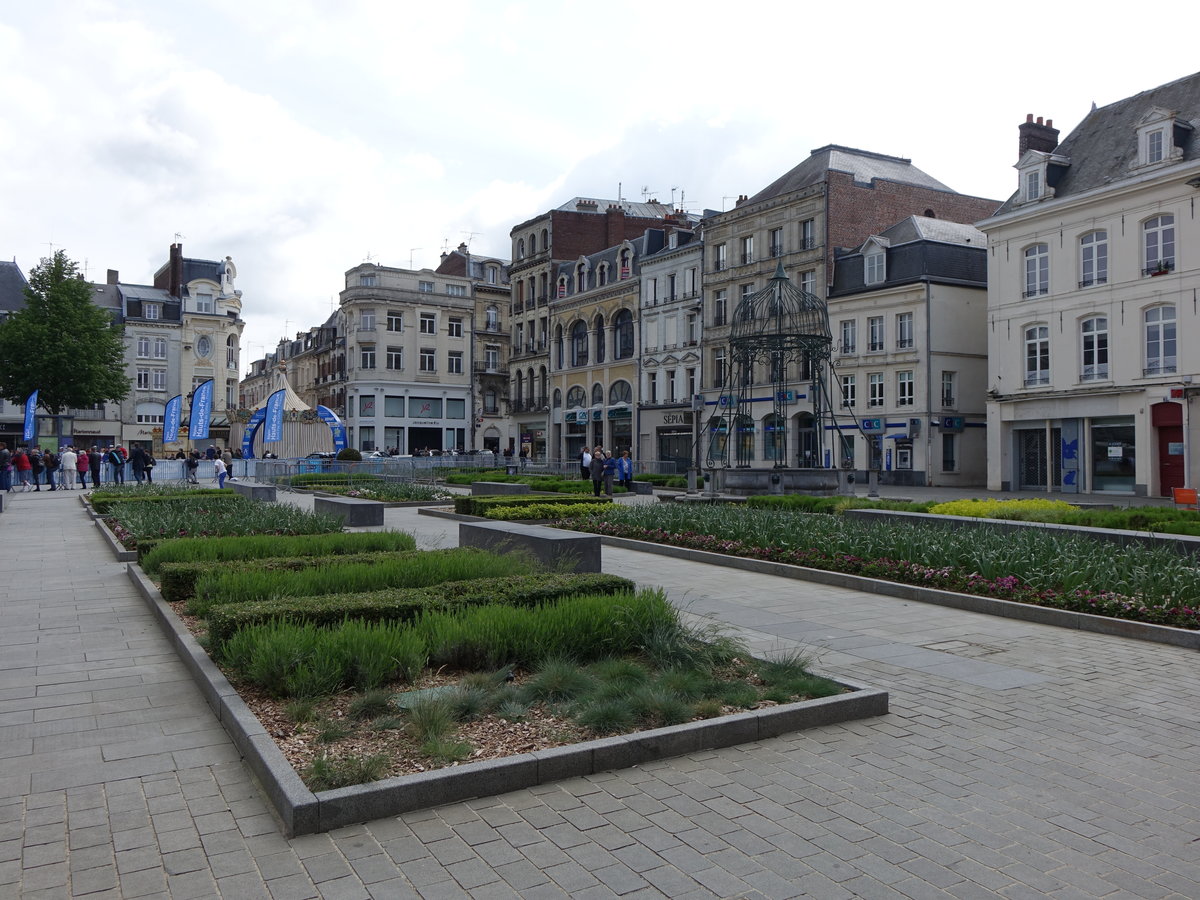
[609,472]
[585,464]
[5,468]
[148,468]
[211,452]
[68,462]
[192,463]
[24,468]
[219,466]
[50,462]
[36,467]
[95,461]
[137,462]
[596,470]
[82,466]
[524,455]
[227,458]
[625,471]
[116,461]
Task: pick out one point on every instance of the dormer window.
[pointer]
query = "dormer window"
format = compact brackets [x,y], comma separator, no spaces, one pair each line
[1039,172]
[1160,137]
[1033,184]
[874,267]
[1154,146]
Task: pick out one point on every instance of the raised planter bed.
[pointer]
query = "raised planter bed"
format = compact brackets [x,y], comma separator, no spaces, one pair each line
[354,513]
[554,548]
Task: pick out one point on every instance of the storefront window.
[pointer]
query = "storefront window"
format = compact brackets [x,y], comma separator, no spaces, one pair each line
[1114,454]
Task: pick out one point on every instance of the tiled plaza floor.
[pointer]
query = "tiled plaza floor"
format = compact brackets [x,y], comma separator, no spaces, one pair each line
[1018,760]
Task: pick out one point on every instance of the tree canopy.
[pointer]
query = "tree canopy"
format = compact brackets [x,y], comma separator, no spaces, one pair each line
[61,343]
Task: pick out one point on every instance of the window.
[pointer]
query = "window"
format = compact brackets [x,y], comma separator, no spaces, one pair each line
[1037,270]
[366,405]
[158,379]
[456,290]
[775,242]
[1094,332]
[672,395]
[747,250]
[579,344]
[490,403]
[718,368]
[428,323]
[428,361]
[231,352]
[456,409]
[143,379]
[425,407]
[949,455]
[160,348]
[600,347]
[366,437]
[426,287]
[691,332]
[393,407]
[948,379]
[491,273]
[491,358]
[143,347]
[151,310]
[720,260]
[204,346]
[848,391]
[395,320]
[849,336]
[575,397]
[1159,234]
[651,387]
[366,320]
[1154,146]
[808,281]
[720,307]
[874,333]
[150,418]
[904,388]
[597,393]
[1033,184]
[1160,340]
[846,442]
[1037,355]
[366,281]
[672,287]
[454,328]
[366,356]
[904,331]
[492,320]
[652,291]
[623,335]
[1093,259]
[875,389]
[808,234]
[454,362]
[874,267]
[395,359]
[204,303]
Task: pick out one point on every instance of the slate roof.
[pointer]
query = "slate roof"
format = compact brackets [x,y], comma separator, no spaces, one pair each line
[864,165]
[650,242]
[12,287]
[638,210]
[922,228]
[1103,147]
[146,292]
[202,268]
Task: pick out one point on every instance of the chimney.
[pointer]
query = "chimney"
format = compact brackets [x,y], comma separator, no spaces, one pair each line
[1042,136]
[175,271]
[615,225]
[113,277]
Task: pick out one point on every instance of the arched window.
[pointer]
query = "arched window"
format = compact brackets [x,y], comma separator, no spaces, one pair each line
[773,433]
[579,344]
[623,335]
[598,327]
[620,392]
[575,397]
[493,318]
[545,238]
[718,437]
[529,381]
[558,347]
[543,384]
[231,352]
[1159,235]
[520,248]
[626,269]
[562,285]
[602,275]
[558,398]
[532,243]
[1093,333]
[1037,355]
[520,388]
[1037,270]
[744,426]
[1093,259]
[597,394]
[1160,340]
[580,278]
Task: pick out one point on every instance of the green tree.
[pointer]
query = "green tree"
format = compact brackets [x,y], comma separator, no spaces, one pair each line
[61,343]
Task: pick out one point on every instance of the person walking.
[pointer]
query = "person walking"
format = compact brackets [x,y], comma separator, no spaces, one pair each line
[67,461]
[585,464]
[117,461]
[95,461]
[50,462]
[82,466]
[221,470]
[609,473]
[596,470]
[137,462]
[625,471]
[6,471]
[24,468]
[148,468]
[227,458]
[36,467]
[191,464]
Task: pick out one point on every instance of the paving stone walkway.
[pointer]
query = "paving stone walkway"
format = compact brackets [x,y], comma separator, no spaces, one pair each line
[1018,761]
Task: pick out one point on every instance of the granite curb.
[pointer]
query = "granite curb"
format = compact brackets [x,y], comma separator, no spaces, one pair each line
[300,811]
[1043,615]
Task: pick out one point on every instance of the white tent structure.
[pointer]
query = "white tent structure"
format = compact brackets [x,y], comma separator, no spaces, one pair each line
[304,431]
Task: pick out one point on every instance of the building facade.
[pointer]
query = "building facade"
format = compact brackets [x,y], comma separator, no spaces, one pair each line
[1092,302]
[908,314]
[836,198]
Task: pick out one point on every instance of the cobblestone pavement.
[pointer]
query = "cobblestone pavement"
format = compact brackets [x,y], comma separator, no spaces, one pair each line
[1018,761]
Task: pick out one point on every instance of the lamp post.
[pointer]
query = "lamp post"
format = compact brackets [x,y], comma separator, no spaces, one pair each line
[693,479]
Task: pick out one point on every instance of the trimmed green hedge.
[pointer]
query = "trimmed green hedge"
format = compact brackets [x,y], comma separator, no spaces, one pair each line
[262,546]
[403,604]
[831,505]
[103,504]
[478,506]
[310,479]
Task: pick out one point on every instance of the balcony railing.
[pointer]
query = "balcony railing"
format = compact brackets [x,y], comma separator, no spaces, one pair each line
[1036,379]
[1098,372]
[875,347]
[904,344]
[1092,282]
[1159,267]
[483,368]
[1036,292]
[1165,366]
[948,401]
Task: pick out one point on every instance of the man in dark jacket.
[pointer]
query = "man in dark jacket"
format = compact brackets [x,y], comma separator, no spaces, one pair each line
[95,460]
[36,467]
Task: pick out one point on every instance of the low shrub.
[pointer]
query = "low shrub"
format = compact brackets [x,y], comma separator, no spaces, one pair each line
[1033,509]
[326,774]
[212,515]
[243,547]
[479,506]
[404,604]
[548,511]
[104,504]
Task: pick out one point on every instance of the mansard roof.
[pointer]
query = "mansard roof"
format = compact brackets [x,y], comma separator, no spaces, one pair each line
[12,287]
[863,165]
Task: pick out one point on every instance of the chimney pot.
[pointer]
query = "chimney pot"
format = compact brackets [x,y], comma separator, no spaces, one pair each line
[1049,123]
[1029,117]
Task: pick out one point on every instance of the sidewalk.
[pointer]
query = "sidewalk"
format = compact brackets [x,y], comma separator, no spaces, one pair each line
[1018,760]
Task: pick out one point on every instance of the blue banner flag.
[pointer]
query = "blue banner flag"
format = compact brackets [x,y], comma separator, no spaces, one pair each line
[171,419]
[30,408]
[273,425]
[201,411]
[330,418]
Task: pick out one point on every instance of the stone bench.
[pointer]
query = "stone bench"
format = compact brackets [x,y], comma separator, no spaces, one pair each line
[567,551]
[643,487]
[354,513]
[264,492]
[484,488]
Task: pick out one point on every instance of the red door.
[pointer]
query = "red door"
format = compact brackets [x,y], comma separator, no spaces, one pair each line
[1167,419]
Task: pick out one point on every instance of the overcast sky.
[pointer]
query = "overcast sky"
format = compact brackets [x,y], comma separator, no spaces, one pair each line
[302,138]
